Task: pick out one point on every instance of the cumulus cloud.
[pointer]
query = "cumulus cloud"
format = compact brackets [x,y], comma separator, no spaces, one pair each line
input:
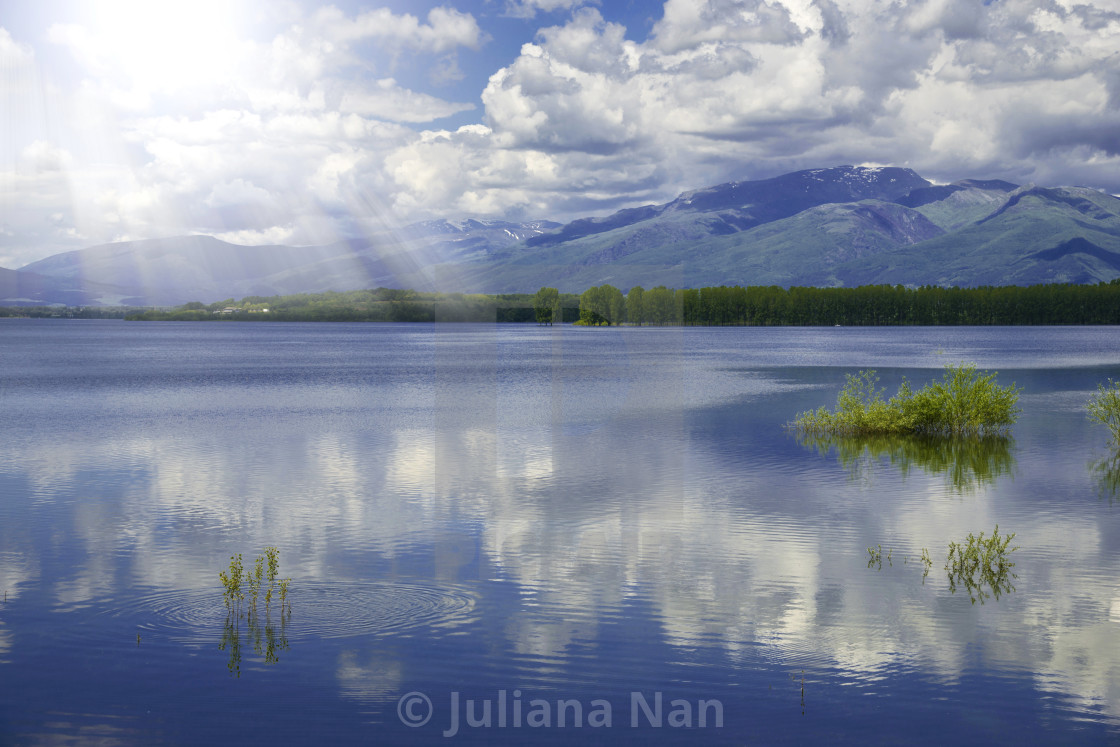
[445,30]
[690,23]
[571,92]
[747,89]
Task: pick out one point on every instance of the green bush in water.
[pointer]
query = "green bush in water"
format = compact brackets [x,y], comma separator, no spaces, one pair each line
[964,403]
[982,562]
[1104,407]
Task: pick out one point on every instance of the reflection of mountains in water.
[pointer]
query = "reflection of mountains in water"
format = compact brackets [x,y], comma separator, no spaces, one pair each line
[968,462]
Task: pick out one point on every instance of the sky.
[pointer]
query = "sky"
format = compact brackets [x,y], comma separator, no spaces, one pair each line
[297,122]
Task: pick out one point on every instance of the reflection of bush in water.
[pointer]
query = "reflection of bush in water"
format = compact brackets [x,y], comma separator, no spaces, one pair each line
[1107,471]
[267,636]
[967,461]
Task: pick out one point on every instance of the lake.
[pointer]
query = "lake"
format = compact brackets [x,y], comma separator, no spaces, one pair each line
[519,534]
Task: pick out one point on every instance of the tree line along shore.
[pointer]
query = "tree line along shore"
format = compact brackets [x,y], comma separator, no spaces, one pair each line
[605,305]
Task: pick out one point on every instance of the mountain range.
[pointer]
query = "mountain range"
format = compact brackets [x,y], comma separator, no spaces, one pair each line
[841,226]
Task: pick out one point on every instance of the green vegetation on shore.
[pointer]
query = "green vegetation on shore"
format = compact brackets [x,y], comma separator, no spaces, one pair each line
[68,312]
[661,306]
[378,305]
[964,403]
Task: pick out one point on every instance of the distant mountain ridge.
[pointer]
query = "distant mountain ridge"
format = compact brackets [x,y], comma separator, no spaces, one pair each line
[839,226]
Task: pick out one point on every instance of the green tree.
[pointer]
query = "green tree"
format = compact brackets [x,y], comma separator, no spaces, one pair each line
[635,311]
[614,304]
[546,305]
[591,307]
[661,306]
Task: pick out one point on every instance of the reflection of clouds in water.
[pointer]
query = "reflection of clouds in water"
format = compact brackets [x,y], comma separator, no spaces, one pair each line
[293,491]
[726,575]
[586,526]
[543,640]
[411,469]
[374,680]
[100,532]
[729,576]
[109,733]
[16,569]
[589,522]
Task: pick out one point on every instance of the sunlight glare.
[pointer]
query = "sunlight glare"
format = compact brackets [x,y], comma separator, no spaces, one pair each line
[165,45]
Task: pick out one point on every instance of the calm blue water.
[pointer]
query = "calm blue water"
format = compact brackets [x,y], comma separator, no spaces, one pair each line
[549,523]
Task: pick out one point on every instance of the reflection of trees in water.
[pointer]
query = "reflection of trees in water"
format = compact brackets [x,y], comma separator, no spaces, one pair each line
[1107,471]
[268,637]
[967,462]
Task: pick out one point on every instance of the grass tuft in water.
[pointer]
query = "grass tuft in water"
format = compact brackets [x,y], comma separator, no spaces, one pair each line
[964,403]
[981,562]
[876,554]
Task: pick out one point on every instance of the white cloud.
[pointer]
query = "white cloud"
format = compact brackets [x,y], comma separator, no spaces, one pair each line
[387,100]
[690,23]
[445,30]
[571,92]
[724,90]
[12,53]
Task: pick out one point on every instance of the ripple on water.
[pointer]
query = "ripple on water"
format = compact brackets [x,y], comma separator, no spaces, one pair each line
[320,610]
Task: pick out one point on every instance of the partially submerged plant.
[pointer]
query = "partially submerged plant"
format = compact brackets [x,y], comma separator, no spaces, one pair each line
[927,562]
[963,403]
[1104,407]
[235,582]
[980,562]
[284,596]
[876,554]
[232,582]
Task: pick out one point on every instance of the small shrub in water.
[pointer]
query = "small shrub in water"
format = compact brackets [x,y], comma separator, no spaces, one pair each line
[262,635]
[982,561]
[963,403]
[1104,407]
[231,581]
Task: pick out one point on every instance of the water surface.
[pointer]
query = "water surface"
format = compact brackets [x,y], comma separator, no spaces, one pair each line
[509,514]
